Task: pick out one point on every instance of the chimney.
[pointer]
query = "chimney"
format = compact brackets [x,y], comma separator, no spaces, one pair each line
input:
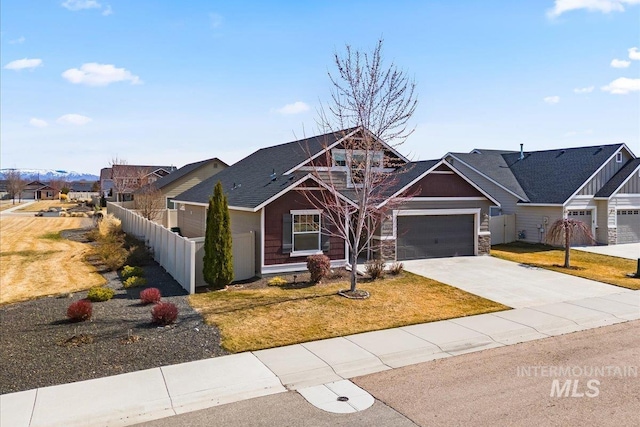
[521,151]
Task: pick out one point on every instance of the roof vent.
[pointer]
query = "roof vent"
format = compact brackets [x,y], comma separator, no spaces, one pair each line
[273,175]
[561,153]
[236,186]
[521,151]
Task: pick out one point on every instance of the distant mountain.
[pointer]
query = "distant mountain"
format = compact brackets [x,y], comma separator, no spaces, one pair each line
[49,174]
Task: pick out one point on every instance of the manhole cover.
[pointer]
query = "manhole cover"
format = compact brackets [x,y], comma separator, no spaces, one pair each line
[342,398]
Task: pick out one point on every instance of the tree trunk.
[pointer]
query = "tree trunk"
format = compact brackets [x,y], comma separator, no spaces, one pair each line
[354,272]
[567,248]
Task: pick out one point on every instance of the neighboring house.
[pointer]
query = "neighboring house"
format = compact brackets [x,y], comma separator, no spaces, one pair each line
[446,215]
[4,189]
[36,190]
[120,181]
[82,190]
[187,177]
[599,185]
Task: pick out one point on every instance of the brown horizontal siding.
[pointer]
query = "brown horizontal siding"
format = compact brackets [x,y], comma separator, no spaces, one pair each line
[293,200]
[443,185]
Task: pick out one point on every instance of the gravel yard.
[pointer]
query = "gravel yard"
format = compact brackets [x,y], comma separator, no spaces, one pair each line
[39,347]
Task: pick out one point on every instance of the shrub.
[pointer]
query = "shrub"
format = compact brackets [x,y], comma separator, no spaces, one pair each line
[80,311]
[138,255]
[276,281]
[130,271]
[109,225]
[319,266]
[150,295]
[396,268]
[164,313]
[113,256]
[134,282]
[64,197]
[100,293]
[374,268]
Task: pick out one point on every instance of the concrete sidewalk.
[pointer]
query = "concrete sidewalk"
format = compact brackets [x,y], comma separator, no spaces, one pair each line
[625,250]
[156,393]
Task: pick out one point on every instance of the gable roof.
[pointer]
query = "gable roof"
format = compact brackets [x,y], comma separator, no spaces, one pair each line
[136,170]
[535,178]
[185,170]
[619,179]
[493,165]
[261,175]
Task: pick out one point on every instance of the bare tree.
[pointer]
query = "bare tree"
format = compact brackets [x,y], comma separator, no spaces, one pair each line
[119,177]
[15,184]
[57,185]
[370,103]
[565,232]
[149,202]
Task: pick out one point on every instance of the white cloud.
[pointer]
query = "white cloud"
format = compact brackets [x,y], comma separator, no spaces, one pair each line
[21,64]
[552,99]
[75,5]
[94,74]
[19,40]
[215,19]
[295,108]
[634,54]
[38,123]
[581,90]
[620,63]
[622,86]
[604,6]
[107,11]
[73,119]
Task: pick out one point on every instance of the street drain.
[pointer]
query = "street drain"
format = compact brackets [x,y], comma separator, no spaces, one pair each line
[342,399]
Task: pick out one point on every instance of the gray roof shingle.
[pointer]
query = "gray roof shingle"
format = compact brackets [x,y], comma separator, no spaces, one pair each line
[547,177]
[186,169]
[612,185]
[259,176]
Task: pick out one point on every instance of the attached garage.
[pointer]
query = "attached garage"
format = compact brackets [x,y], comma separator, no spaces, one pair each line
[628,225]
[422,235]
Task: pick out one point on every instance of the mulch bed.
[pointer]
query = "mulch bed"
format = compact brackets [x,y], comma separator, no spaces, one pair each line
[39,347]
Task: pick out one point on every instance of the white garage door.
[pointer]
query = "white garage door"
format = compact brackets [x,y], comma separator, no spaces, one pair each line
[628,226]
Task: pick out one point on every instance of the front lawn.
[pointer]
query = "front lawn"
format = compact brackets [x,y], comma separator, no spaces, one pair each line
[253,319]
[602,268]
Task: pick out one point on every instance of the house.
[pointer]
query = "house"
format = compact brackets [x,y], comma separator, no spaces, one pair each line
[120,181]
[186,177]
[36,190]
[599,185]
[446,214]
[84,190]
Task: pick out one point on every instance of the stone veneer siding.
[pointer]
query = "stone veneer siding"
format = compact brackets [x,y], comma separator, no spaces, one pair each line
[612,236]
[484,245]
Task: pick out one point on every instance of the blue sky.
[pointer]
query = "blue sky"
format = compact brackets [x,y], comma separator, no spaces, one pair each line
[168,82]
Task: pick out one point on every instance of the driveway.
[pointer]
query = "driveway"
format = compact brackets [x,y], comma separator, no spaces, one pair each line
[627,250]
[507,282]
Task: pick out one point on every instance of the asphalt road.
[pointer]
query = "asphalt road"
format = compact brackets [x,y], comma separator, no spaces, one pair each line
[498,387]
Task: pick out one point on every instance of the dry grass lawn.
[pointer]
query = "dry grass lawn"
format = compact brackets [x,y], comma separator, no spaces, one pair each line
[7,204]
[602,268]
[43,205]
[263,318]
[35,261]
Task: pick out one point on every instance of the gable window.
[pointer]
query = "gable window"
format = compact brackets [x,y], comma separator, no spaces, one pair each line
[170,204]
[495,211]
[618,157]
[354,162]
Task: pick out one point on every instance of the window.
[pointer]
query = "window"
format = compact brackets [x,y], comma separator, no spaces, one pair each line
[170,204]
[354,162]
[306,232]
[618,157]
[495,211]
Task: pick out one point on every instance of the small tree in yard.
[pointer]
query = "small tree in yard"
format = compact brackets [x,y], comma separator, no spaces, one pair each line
[15,184]
[218,257]
[149,202]
[370,103]
[565,232]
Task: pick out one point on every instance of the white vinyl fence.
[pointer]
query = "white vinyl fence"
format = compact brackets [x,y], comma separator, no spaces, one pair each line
[503,229]
[176,254]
